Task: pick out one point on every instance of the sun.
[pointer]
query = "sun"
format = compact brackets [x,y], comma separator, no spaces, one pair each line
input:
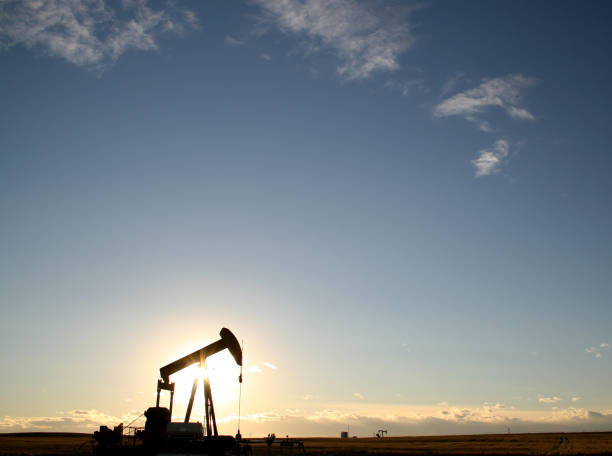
[222,372]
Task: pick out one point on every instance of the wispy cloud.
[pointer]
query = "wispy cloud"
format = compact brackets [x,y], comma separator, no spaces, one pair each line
[89,33]
[448,420]
[367,37]
[270,365]
[445,421]
[593,351]
[492,407]
[576,398]
[359,396]
[233,41]
[504,92]
[549,400]
[491,160]
[407,88]
[452,82]
[74,420]
[597,351]
[254,369]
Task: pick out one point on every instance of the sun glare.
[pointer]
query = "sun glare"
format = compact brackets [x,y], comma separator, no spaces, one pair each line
[223,376]
[201,373]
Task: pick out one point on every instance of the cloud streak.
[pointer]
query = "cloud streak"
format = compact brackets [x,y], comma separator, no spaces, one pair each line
[445,421]
[70,421]
[549,400]
[325,421]
[89,33]
[233,41]
[504,92]
[366,38]
[597,351]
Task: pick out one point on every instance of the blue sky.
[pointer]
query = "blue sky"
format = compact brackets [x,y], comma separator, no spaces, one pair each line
[402,208]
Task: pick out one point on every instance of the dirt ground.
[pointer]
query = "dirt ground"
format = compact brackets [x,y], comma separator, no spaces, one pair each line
[596,443]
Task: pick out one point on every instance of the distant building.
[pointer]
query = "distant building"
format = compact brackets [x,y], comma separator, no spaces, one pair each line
[344,435]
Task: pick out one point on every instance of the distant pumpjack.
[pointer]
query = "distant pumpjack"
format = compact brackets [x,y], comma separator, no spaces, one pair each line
[381,432]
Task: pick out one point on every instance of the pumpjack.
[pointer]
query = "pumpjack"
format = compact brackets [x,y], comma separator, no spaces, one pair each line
[161,435]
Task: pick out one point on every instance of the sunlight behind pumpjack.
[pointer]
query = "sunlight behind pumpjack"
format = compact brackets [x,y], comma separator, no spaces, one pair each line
[201,373]
[223,376]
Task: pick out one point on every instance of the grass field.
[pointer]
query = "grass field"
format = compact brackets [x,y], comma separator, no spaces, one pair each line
[583,443]
[44,443]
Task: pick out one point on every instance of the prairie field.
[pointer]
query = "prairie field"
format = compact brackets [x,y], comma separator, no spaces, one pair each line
[468,445]
[540,444]
[44,443]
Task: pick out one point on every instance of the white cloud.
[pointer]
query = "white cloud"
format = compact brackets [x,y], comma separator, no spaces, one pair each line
[70,421]
[520,113]
[491,160]
[266,56]
[233,41]
[595,351]
[366,37]
[503,92]
[576,398]
[88,33]
[359,395]
[604,345]
[445,421]
[326,422]
[549,400]
[482,125]
[270,365]
[254,369]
